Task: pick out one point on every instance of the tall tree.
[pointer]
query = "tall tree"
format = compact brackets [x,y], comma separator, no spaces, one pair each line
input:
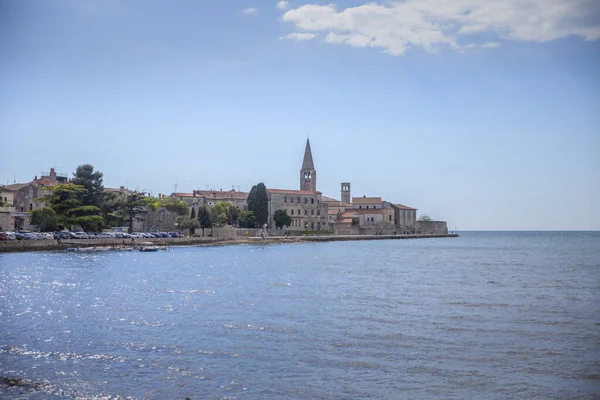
[66,202]
[282,219]
[258,203]
[204,218]
[92,182]
[193,213]
[132,209]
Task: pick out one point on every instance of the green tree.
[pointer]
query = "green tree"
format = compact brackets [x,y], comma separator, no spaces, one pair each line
[188,223]
[66,202]
[204,218]
[247,219]
[258,203]
[193,213]
[282,219]
[92,182]
[44,218]
[132,209]
[179,207]
[425,218]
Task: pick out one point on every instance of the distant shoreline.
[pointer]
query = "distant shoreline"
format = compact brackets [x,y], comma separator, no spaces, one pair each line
[14,246]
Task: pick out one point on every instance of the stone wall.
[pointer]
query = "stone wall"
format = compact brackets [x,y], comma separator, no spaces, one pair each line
[7,222]
[312,211]
[432,227]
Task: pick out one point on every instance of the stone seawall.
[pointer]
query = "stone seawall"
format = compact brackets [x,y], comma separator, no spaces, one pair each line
[49,245]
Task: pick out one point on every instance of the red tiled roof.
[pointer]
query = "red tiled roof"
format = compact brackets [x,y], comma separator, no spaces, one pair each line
[285,191]
[215,194]
[332,212]
[403,207]
[329,199]
[349,214]
[16,186]
[366,200]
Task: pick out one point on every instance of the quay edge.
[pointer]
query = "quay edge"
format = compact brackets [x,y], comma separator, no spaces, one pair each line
[51,245]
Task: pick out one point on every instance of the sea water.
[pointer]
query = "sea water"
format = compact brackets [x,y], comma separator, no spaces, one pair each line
[488,315]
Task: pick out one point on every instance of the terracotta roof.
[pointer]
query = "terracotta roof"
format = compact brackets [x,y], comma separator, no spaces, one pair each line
[403,207]
[285,191]
[349,214]
[220,194]
[215,194]
[345,220]
[329,199]
[332,212]
[366,200]
[17,186]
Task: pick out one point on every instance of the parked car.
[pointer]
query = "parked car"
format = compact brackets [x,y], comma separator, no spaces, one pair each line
[104,235]
[67,235]
[5,236]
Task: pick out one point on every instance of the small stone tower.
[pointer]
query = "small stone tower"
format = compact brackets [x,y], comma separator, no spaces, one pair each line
[308,173]
[345,192]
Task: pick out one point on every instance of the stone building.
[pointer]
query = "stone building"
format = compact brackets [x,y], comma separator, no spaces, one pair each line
[406,218]
[26,196]
[210,197]
[305,206]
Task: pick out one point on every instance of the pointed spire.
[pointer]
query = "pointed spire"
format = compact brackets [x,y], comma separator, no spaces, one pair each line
[307,163]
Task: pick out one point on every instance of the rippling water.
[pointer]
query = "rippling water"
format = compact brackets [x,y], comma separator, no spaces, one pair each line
[483,316]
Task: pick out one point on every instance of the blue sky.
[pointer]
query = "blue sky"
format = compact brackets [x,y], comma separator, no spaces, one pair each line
[483,114]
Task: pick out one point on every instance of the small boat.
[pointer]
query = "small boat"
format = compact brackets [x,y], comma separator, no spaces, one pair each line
[149,248]
[82,249]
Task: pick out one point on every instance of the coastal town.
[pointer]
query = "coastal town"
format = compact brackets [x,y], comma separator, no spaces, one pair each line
[287,212]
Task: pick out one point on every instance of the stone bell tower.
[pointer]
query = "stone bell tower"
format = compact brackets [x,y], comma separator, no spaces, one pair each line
[308,173]
[345,192]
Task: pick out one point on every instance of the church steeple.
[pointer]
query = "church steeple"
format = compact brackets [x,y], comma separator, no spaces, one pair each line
[308,173]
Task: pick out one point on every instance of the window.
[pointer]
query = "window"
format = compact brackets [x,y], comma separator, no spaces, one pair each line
[30,206]
[305,200]
[298,200]
[318,212]
[305,212]
[292,211]
[367,207]
[360,207]
[299,212]
[285,199]
[312,201]
[312,212]
[389,217]
[312,226]
[291,199]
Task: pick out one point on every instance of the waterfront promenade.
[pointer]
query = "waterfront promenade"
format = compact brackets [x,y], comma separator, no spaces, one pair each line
[49,245]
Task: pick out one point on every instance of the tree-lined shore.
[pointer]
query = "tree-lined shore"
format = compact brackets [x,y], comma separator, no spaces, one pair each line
[83,203]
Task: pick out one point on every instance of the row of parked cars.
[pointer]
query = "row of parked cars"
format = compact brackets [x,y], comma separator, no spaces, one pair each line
[85,235]
[25,236]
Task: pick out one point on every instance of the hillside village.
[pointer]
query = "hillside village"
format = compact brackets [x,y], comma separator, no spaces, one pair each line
[309,210]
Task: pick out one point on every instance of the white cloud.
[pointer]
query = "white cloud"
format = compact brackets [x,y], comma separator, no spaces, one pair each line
[490,45]
[251,11]
[299,36]
[398,26]
[283,5]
